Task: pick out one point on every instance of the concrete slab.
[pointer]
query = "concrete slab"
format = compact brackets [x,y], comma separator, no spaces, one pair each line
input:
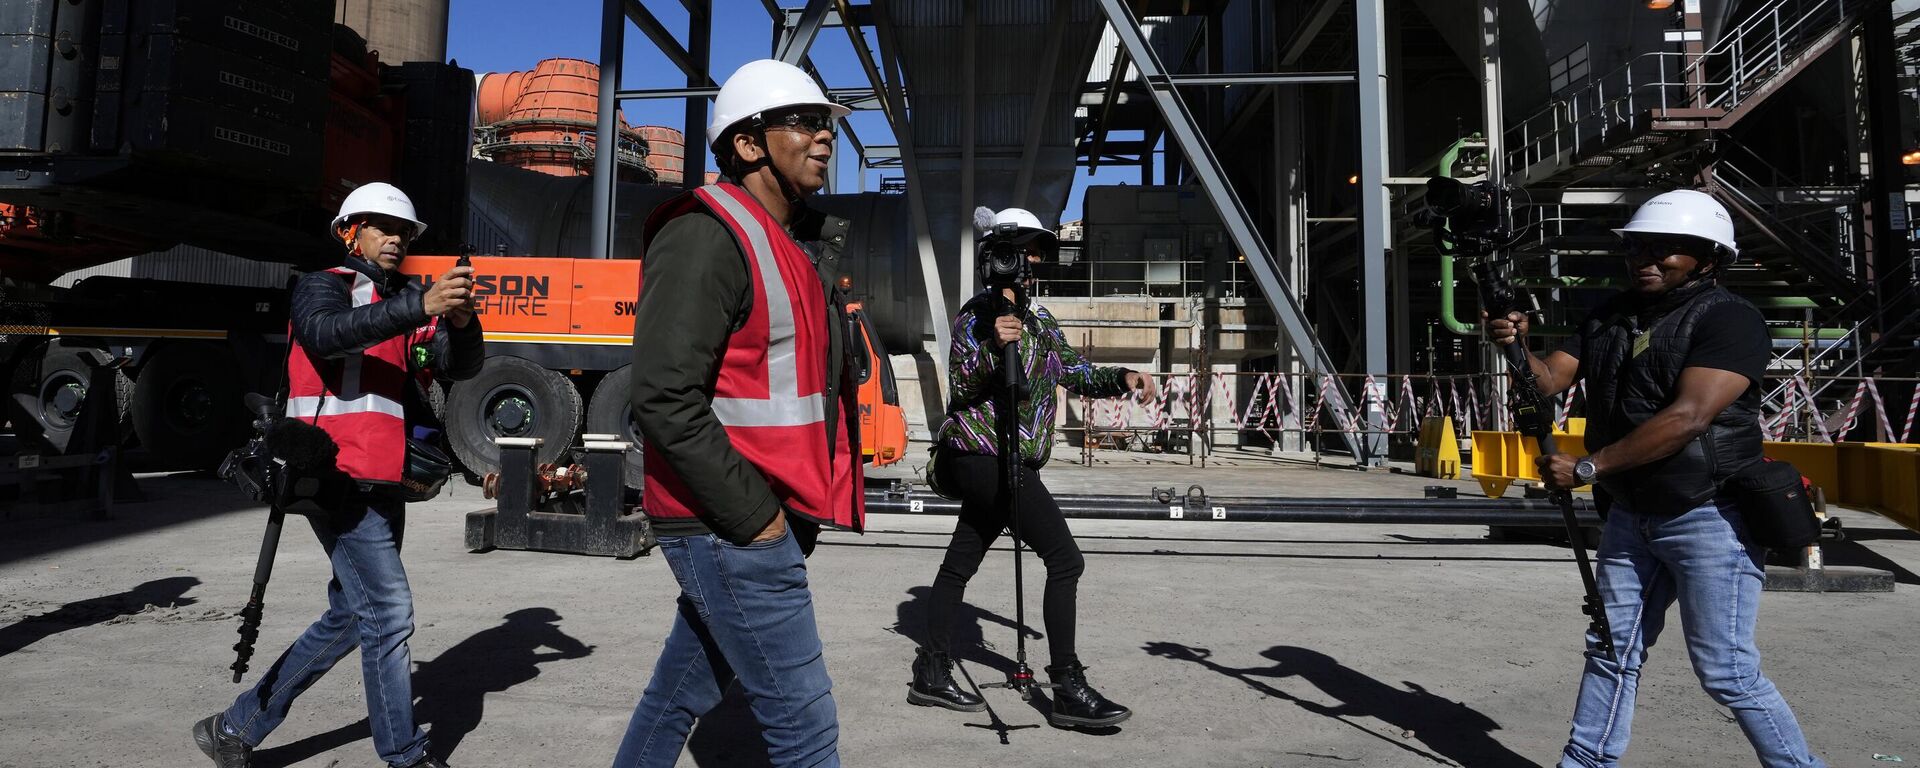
[1238,645]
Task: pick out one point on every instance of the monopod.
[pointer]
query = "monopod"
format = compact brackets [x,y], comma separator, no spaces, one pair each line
[1012,386]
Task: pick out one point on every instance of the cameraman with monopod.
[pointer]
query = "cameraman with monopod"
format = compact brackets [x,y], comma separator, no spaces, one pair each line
[1002,323]
[1673,368]
[363,339]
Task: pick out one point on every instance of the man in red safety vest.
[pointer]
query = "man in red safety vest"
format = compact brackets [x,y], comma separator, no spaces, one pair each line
[743,392]
[360,334]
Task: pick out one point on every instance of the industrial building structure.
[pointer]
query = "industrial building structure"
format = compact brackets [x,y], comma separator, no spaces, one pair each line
[1283,149]
[1286,145]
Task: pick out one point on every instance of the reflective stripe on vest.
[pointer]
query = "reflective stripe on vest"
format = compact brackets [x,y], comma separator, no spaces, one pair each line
[784,405]
[356,399]
[313,406]
[769,393]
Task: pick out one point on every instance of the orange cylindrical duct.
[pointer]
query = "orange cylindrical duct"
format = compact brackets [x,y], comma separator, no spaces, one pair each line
[546,120]
[666,152]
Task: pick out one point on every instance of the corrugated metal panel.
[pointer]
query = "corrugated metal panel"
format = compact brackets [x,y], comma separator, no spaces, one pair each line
[1012,34]
[188,264]
[121,268]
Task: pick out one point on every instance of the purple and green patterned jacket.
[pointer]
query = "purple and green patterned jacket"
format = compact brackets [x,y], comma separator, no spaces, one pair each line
[1049,361]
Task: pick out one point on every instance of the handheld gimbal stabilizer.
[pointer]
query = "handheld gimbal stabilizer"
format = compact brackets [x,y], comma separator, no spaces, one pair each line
[1470,220]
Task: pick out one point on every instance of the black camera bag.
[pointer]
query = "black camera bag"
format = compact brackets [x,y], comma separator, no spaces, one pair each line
[1774,501]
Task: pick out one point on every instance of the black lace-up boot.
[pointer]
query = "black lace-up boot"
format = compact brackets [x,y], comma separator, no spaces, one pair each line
[933,684]
[226,751]
[1078,705]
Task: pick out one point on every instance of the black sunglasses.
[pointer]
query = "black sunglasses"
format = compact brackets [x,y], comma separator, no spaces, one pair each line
[808,122]
[390,227]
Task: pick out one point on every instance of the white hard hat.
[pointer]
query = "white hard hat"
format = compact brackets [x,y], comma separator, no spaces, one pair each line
[1022,222]
[761,86]
[1684,212]
[379,197]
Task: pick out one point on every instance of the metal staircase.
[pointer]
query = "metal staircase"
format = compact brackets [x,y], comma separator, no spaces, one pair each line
[1659,105]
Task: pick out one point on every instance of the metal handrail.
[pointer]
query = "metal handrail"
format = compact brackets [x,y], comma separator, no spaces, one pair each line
[1745,57]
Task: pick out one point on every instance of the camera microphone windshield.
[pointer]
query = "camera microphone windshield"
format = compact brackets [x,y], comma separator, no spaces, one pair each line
[302,446]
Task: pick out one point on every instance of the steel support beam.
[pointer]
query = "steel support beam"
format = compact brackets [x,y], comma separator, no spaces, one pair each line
[699,38]
[1042,95]
[1889,249]
[1107,98]
[969,124]
[1317,19]
[606,156]
[794,44]
[650,25]
[916,200]
[856,99]
[1374,222]
[1182,127]
[1496,136]
[1263,78]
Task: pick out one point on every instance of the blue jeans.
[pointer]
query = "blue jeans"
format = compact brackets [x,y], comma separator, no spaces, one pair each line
[745,614]
[1704,560]
[369,607]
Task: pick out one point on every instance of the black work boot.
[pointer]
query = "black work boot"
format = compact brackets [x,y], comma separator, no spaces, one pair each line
[1078,705]
[933,684]
[226,751]
[428,761]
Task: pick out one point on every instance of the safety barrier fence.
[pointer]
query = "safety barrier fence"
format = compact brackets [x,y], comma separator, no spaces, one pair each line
[1202,407]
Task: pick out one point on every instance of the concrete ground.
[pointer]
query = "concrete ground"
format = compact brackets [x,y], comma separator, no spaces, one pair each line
[1237,644]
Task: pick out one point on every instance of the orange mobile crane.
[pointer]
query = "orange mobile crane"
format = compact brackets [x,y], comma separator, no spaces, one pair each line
[170,123]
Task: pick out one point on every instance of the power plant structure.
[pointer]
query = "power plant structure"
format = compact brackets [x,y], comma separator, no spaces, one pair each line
[1270,256]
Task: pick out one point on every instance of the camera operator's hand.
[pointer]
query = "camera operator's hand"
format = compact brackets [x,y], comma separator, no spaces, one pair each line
[1503,330]
[1556,471]
[1006,330]
[1143,385]
[452,293]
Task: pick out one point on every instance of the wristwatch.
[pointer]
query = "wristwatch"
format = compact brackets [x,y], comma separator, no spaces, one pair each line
[1584,470]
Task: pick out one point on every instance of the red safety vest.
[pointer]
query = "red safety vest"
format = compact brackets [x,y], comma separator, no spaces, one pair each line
[771,391]
[357,399]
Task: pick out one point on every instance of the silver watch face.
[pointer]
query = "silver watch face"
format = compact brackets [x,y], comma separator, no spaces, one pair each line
[1583,469]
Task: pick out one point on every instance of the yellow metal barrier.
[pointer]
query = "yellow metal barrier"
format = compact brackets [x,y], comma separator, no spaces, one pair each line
[1502,458]
[1882,477]
[1438,454]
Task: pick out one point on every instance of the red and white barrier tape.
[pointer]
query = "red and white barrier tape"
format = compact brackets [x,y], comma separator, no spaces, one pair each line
[1813,408]
[1880,409]
[1853,409]
[1906,433]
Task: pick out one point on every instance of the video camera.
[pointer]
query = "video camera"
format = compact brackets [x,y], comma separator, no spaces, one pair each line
[288,463]
[1467,219]
[1003,258]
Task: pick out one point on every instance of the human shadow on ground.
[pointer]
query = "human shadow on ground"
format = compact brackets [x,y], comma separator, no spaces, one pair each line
[969,641]
[452,688]
[163,593]
[1452,732]
[970,646]
[1853,553]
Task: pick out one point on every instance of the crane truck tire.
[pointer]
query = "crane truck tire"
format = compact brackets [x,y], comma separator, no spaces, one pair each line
[608,413]
[511,397]
[187,409]
[49,384]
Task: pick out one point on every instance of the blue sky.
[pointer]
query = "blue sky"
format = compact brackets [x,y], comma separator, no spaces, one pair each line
[501,36]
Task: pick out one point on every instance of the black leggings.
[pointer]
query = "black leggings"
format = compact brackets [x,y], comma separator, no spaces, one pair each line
[983,515]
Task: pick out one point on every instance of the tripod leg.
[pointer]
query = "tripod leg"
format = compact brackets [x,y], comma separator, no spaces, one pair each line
[256,601]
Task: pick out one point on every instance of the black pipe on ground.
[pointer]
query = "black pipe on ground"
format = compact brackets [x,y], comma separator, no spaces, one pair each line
[1518,513]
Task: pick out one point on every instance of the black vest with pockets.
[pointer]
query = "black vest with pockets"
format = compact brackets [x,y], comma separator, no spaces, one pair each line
[1624,390]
